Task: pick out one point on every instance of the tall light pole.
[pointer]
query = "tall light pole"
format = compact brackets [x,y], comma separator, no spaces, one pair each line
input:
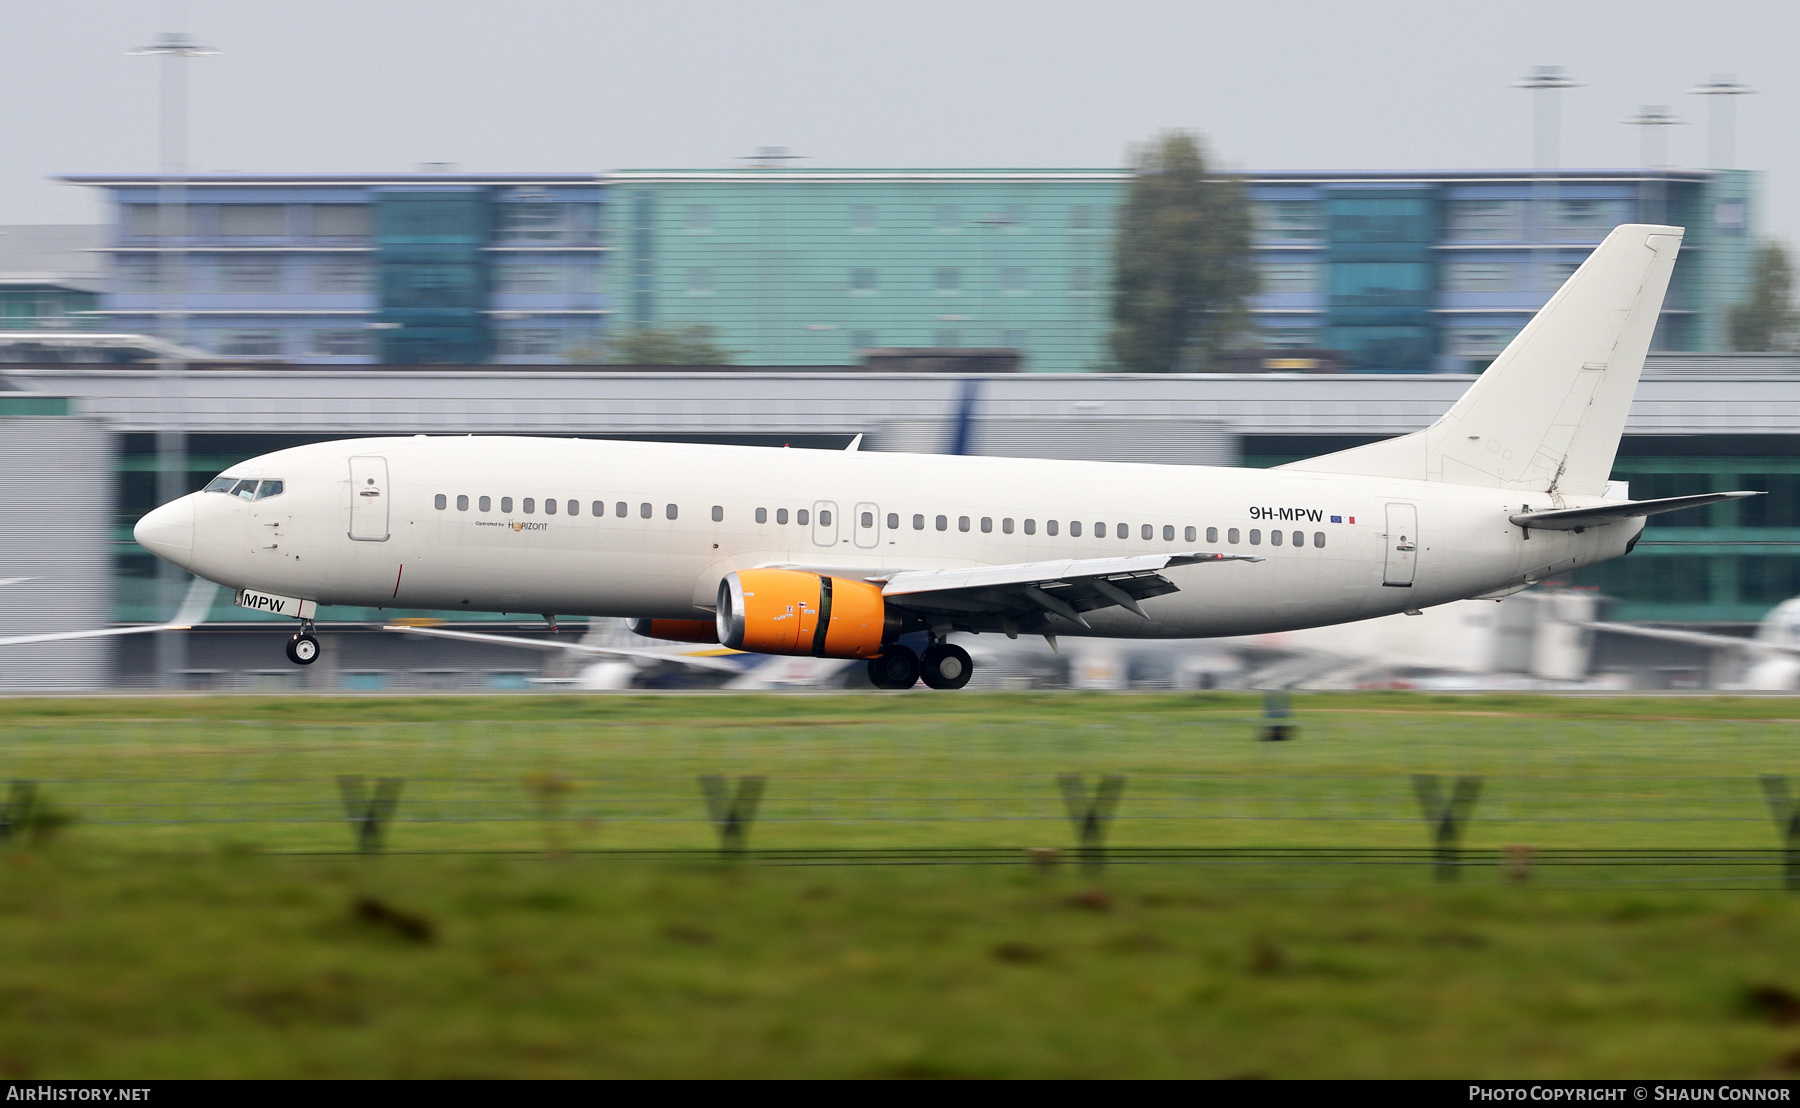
[1721,122]
[173,48]
[1653,122]
[1545,83]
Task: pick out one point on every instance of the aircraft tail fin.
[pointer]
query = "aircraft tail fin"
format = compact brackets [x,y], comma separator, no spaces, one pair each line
[1548,413]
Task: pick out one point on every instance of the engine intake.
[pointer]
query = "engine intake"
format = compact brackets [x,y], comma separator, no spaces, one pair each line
[790,611]
[677,630]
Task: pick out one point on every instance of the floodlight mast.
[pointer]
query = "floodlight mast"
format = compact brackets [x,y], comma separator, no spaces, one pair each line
[1545,83]
[173,48]
[1721,123]
[1653,121]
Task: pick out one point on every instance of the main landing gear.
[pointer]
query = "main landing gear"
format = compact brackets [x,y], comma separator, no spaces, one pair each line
[303,648]
[943,666]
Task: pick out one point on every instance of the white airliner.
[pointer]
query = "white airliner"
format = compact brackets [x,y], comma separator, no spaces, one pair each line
[839,554]
[1772,654]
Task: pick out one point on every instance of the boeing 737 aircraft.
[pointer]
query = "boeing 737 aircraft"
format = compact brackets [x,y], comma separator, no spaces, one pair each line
[840,554]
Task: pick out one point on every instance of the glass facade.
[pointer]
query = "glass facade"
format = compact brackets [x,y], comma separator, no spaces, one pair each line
[434,268]
[1403,272]
[432,273]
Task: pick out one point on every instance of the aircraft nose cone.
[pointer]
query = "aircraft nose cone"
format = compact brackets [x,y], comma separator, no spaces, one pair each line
[168,532]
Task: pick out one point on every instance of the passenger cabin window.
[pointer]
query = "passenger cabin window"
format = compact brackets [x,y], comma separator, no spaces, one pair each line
[962,523]
[1319,539]
[894,521]
[918,523]
[549,506]
[671,511]
[1050,527]
[440,502]
[645,511]
[802,516]
[1212,534]
[506,504]
[1074,529]
[462,503]
[1123,531]
[599,507]
[1031,527]
[824,518]
[1169,533]
[943,523]
[621,509]
[1150,532]
[1299,538]
[718,513]
[528,505]
[485,504]
[762,515]
[1255,537]
[987,525]
[574,507]
[781,515]
[1006,526]
[868,519]
[1274,538]
[1231,536]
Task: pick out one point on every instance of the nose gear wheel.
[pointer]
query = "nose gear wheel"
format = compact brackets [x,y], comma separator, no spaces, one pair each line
[303,650]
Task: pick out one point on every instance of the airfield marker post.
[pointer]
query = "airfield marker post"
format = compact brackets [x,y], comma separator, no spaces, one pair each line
[1787,822]
[368,813]
[1091,814]
[1447,817]
[732,812]
[1278,717]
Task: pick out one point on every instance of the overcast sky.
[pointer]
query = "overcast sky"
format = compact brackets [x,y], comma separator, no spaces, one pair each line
[381,85]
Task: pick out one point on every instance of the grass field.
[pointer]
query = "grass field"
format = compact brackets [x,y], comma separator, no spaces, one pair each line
[201,914]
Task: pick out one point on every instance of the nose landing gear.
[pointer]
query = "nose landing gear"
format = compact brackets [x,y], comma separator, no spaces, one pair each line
[303,648]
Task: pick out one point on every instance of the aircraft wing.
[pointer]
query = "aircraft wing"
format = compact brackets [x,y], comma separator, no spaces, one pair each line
[191,613]
[710,659]
[1575,519]
[1023,596]
[1695,638]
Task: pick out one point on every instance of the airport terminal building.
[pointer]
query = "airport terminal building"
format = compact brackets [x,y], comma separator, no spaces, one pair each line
[1393,272]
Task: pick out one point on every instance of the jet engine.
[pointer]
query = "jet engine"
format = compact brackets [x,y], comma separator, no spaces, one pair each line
[677,630]
[788,611]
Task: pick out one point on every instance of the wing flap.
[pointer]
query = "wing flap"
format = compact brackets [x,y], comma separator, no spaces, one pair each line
[1029,595]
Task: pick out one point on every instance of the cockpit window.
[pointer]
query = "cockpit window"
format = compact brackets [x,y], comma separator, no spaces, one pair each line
[244,488]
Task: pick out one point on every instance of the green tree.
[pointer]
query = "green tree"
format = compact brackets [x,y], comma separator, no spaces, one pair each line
[687,344]
[1184,266]
[1767,321]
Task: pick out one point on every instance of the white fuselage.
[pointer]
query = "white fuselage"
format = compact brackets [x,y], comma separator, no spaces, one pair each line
[677,518]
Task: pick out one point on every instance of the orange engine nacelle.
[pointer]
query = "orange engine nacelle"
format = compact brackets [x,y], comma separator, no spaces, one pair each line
[677,630]
[787,611]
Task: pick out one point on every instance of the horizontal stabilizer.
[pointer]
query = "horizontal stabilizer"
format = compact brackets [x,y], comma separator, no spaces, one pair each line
[1578,519]
[1693,638]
